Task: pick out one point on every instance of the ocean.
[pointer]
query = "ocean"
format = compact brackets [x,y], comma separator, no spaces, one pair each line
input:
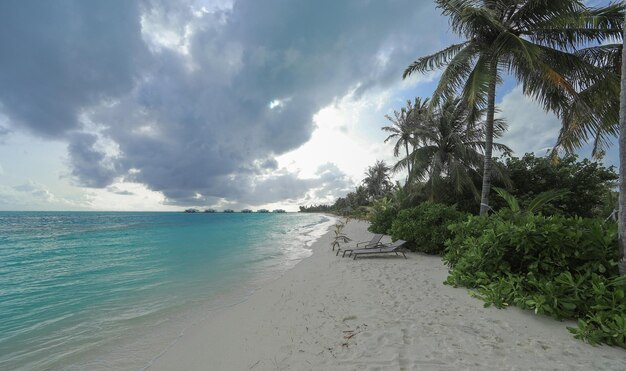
[111,290]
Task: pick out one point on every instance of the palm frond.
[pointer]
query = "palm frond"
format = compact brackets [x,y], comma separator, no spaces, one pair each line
[434,61]
[477,84]
[600,122]
[453,77]
[545,197]
[580,26]
[509,198]
[469,18]
[607,56]
[535,13]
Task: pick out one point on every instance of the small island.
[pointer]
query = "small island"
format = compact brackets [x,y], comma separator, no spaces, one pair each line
[246,211]
[263,211]
[279,211]
[229,211]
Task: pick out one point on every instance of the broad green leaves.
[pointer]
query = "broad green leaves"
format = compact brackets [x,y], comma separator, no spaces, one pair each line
[535,204]
[557,266]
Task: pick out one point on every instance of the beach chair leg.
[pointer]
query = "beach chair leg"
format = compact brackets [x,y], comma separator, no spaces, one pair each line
[354,256]
[404,255]
[337,254]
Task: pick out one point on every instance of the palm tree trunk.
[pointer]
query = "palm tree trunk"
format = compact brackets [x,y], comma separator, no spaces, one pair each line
[622,160]
[408,163]
[491,109]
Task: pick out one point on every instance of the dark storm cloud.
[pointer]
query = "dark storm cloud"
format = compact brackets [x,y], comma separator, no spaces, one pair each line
[61,56]
[204,122]
[4,132]
[88,163]
[244,191]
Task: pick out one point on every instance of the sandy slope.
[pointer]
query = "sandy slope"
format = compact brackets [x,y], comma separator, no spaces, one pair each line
[381,313]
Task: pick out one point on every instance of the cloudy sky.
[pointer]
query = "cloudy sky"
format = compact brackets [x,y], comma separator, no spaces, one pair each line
[166,104]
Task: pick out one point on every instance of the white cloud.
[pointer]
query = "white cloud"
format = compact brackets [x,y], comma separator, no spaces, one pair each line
[531,129]
[204,94]
[33,196]
[347,135]
[123,196]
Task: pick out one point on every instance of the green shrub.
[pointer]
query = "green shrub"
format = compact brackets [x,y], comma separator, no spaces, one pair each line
[588,183]
[558,266]
[535,244]
[472,227]
[425,227]
[381,215]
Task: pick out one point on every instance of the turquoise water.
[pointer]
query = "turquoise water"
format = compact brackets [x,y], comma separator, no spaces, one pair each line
[73,283]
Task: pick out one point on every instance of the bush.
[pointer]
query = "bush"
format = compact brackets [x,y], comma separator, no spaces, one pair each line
[588,183]
[381,215]
[425,227]
[558,266]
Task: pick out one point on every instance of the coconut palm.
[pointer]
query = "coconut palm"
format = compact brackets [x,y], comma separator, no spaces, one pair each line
[358,198]
[447,149]
[401,130]
[377,181]
[622,163]
[529,39]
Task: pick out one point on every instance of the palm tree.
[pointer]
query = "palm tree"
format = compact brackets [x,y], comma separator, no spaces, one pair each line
[448,149]
[377,180]
[359,197]
[622,162]
[526,38]
[401,130]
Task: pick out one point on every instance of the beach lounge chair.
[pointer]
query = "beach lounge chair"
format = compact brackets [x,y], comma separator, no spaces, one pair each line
[385,249]
[374,242]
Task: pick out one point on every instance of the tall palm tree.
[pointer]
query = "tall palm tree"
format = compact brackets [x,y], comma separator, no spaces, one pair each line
[622,162]
[377,180]
[448,149]
[529,39]
[401,130]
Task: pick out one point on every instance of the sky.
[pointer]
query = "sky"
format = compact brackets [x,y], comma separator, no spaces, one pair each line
[160,105]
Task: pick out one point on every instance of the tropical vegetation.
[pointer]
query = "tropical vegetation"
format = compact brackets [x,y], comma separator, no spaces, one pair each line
[533,41]
[446,147]
[536,232]
[404,123]
[565,267]
[425,227]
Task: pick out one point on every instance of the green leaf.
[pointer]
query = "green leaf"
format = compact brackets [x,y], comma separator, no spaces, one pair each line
[568,306]
[509,198]
[544,198]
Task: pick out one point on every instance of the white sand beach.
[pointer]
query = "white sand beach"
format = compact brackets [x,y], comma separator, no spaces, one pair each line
[377,313]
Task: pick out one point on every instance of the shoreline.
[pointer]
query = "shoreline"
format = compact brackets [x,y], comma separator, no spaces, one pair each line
[133,342]
[385,312]
[139,350]
[247,288]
